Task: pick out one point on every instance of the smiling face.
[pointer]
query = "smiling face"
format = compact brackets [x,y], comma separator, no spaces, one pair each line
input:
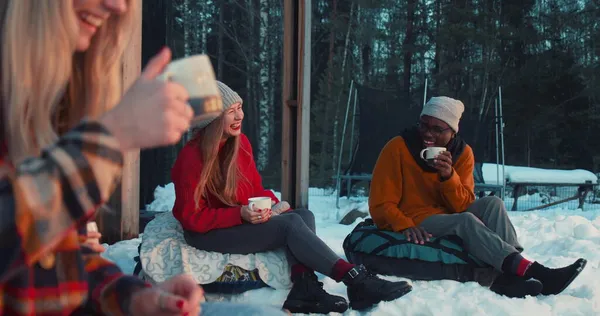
[232,120]
[91,15]
[434,132]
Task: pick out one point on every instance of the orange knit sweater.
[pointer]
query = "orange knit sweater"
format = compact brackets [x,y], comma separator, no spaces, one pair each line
[403,195]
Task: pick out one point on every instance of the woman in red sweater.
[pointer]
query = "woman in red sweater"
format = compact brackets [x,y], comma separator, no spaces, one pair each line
[214,176]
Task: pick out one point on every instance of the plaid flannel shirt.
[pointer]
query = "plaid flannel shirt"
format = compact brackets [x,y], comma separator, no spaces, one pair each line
[45,203]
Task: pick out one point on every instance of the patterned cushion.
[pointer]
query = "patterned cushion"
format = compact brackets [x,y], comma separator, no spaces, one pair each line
[164,253]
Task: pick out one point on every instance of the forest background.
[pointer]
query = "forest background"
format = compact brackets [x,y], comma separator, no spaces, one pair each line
[545,54]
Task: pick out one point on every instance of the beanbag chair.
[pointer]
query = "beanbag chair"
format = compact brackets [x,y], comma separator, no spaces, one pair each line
[164,253]
[389,253]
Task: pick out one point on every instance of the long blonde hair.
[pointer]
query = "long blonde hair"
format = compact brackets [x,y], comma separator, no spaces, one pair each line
[43,79]
[221,174]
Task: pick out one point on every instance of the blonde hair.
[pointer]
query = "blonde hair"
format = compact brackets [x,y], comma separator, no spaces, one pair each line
[43,81]
[221,174]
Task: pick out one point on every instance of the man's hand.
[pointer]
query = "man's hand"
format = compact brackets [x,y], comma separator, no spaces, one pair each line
[443,164]
[417,234]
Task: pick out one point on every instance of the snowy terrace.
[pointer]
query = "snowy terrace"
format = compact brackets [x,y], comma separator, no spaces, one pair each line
[556,236]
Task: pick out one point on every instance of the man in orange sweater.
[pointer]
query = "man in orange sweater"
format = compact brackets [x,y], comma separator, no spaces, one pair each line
[423,199]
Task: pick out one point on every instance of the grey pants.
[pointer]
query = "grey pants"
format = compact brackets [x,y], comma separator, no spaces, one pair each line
[485,229]
[294,230]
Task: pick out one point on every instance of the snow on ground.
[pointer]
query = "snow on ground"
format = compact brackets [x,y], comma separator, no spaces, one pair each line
[555,237]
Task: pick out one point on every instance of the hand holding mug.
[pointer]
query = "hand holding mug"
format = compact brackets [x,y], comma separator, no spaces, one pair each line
[165,101]
[440,159]
[152,112]
[430,153]
[443,163]
[249,214]
[252,215]
[265,215]
[257,211]
[196,75]
[93,238]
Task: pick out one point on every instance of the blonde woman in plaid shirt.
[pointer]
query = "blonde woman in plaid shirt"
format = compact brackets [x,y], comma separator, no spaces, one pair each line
[62,59]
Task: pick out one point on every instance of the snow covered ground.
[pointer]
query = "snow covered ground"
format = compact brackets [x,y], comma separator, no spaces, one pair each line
[555,237]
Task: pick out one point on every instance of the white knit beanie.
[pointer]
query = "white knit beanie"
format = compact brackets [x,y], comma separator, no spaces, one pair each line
[446,109]
[229,98]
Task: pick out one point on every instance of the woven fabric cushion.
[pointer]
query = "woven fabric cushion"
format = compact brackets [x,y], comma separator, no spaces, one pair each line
[164,253]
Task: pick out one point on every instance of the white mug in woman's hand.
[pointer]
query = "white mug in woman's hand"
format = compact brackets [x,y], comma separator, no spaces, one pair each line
[92,227]
[196,75]
[93,238]
[152,112]
[261,203]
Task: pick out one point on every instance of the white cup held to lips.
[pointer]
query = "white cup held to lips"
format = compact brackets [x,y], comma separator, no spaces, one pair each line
[92,227]
[429,153]
[261,202]
[196,75]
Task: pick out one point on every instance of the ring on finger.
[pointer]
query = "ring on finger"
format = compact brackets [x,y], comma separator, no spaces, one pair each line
[259,217]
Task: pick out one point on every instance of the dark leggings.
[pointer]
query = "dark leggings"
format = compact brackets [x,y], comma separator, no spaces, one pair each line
[294,230]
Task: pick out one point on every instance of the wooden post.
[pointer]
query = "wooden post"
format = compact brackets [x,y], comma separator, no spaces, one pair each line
[303,119]
[122,220]
[130,184]
[288,103]
[296,102]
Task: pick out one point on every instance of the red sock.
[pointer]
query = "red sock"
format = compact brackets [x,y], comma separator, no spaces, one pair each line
[298,269]
[515,264]
[340,268]
[522,267]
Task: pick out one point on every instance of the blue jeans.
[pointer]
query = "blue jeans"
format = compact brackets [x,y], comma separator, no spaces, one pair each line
[234,309]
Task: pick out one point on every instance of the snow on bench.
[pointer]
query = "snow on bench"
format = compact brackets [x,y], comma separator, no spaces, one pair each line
[521,177]
[515,174]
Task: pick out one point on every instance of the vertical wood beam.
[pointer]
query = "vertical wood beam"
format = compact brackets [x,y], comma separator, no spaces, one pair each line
[288,123]
[130,184]
[296,102]
[303,118]
[122,222]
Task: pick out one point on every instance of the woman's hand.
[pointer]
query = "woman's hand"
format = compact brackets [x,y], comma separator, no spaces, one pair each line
[93,241]
[280,207]
[417,234]
[254,215]
[152,112]
[179,295]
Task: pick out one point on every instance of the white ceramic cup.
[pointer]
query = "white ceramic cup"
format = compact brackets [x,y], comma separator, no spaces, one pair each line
[196,75]
[261,202]
[430,153]
[92,227]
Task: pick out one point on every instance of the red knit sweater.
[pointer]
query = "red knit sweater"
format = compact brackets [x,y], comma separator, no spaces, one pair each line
[212,213]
